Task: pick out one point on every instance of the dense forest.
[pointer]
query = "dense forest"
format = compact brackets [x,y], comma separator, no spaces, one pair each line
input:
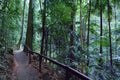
[83,34]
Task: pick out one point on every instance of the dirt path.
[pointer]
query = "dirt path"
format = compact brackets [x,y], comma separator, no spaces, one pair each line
[23,70]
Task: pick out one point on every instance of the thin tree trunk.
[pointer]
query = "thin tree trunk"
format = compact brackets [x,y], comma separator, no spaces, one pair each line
[43,28]
[111,63]
[89,11]
[43,33]
[81,36]
[88,31]
[21,34]
[101,33]
[101,28]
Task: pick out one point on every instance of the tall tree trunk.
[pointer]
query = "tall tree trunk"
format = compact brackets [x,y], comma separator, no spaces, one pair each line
[29,34]
[111,63]
[88,32]
[21,34]
[81,37]
[101,28]
[101,33]
[43,28]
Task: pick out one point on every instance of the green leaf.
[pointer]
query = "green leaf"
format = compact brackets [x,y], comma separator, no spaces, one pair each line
[105,42]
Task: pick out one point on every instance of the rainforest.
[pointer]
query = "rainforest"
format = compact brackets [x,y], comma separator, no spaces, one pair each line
[59,39]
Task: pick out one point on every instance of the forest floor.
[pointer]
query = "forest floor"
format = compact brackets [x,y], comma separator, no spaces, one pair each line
[24,71]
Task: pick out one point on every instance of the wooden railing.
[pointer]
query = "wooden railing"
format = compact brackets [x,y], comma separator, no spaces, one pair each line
[65,67]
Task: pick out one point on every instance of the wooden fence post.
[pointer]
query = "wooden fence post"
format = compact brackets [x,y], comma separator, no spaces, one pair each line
[67,76]
[29,57]
[40,62]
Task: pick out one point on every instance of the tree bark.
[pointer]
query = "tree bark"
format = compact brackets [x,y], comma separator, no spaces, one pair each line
[81,37]
[89,11]
[111,63]
[101,33]
[101,28]
[43,28]
[29,34]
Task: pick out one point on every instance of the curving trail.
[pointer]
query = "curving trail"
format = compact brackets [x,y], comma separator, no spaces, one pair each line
[22,70]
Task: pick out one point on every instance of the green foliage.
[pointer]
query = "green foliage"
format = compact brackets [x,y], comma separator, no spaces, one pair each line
[94,28]
[105,42]
[5,63]
[61,12]
[58,23]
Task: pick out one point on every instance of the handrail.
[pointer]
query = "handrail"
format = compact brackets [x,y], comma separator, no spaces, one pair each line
[67,68]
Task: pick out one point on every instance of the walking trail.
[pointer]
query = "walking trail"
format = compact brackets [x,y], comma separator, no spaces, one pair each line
[22,70]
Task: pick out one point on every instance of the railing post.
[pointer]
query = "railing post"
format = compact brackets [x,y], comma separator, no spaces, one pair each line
[67,76]
[27,54]
[40,62]
[29,57]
